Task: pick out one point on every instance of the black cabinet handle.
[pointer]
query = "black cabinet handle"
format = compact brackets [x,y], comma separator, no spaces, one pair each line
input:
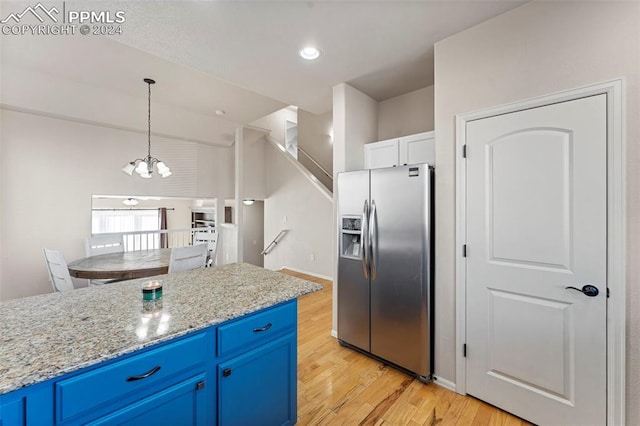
[265,328]
[226,372]
[151,372]
[587,290]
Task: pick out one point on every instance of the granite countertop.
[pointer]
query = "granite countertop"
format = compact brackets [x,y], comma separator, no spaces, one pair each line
[42,337]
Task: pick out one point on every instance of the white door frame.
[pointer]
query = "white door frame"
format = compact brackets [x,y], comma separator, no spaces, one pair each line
[616,250]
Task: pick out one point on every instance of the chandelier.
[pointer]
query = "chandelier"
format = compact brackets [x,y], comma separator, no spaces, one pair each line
[145,166]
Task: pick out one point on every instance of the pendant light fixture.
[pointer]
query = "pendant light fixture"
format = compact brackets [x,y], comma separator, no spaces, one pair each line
[145,166]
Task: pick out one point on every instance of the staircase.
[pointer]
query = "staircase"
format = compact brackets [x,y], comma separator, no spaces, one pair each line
[298,207]
[315,168]
[322,179]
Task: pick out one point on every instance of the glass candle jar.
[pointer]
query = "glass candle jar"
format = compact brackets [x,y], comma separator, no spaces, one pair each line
[151,295]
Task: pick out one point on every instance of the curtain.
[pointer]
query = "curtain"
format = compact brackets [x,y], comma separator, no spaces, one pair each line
[162,219]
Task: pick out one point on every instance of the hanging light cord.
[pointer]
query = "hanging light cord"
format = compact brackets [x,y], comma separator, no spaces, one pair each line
[149,119]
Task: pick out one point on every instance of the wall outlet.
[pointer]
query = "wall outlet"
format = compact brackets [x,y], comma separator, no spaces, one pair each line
[284,220]
[313,257]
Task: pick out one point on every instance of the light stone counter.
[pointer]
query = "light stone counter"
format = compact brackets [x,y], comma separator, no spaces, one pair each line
[45,336]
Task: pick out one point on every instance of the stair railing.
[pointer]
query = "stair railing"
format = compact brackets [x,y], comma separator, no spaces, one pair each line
[298,165]
[274,242]
[322,169]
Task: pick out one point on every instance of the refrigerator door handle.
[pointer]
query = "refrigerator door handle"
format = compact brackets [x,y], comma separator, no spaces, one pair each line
[373,240]
[364,254]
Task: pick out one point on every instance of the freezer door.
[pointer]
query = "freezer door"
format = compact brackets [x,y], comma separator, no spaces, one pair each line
[353,286]
[400,270]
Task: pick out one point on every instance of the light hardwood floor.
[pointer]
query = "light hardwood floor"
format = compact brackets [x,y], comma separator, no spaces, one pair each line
[338,386]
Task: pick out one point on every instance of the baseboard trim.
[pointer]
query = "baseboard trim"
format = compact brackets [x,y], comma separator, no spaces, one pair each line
[334,333]
[447,384]
[313,274]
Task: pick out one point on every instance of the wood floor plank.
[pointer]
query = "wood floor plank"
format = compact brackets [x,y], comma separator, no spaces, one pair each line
[453,415]
[356,418]
[470,411]
[340,386]
[483,415]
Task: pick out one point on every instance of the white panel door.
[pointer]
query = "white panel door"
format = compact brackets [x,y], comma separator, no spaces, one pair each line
[536,224]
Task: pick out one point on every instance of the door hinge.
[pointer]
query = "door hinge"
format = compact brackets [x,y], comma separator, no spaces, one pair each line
[464,151]
[608,294]
[464,250]
[464,350]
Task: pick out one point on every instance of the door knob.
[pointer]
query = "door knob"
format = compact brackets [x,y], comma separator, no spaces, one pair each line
[587,290]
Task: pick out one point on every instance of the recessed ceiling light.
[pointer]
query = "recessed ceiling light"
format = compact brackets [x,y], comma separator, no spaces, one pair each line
[309,53]
[220,112]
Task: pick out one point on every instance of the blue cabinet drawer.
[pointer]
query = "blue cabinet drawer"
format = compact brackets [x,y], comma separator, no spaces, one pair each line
[133,377]
[183,404]
[257,329]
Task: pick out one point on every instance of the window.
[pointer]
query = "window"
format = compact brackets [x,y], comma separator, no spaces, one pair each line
[112,220]
[139,220]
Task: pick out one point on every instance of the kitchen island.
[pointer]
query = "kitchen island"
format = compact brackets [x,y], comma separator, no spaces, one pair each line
[224,338]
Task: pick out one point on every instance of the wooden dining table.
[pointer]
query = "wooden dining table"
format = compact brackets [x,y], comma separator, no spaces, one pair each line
[122,266]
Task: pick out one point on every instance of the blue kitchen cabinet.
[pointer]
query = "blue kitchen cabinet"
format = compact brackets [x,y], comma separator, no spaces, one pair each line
[256,371]
[31,406]
[259,387]
[240,372]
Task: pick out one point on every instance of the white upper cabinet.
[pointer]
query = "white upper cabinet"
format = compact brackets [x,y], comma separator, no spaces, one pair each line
[381,154]
[413,149]
[418,149]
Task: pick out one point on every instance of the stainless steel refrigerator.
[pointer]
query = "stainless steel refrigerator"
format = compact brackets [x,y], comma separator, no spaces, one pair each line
[385,265]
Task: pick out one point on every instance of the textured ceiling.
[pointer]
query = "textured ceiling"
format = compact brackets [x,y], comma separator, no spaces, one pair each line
[241,56]
[383,48]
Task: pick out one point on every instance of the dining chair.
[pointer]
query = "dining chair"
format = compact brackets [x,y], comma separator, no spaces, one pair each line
[210,238]
[190,257]
[103,244]
[58,270]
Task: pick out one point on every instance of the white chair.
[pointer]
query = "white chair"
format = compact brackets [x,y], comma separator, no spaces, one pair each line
[58,270]
[103,244]
[190,257]
[210,238]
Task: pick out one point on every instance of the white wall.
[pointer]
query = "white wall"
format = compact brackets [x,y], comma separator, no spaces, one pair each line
[253,166]
[215,167]
[355,123]
[275,122]
[314,136]
[227,244]
[406,114]
[253,233]
[537,49]
[308,244]
[49,168]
